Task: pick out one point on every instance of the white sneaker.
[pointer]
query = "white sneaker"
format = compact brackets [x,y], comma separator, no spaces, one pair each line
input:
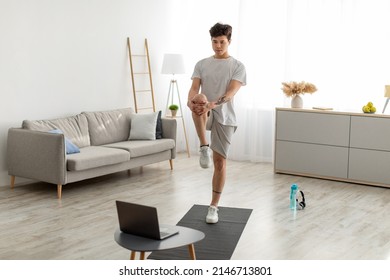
[205,157]
[212,215]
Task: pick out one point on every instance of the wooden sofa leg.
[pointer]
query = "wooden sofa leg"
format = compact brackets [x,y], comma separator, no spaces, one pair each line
[12,181]
[171,163]
[59,191]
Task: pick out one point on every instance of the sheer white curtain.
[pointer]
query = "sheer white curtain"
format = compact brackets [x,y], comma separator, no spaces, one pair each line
[342,46]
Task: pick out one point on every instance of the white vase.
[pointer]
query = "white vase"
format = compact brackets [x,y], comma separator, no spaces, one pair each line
[296,101]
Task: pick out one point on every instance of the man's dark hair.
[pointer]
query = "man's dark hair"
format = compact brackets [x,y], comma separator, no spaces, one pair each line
[220,29]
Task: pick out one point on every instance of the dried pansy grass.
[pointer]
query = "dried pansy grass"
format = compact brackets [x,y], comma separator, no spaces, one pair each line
[293,88]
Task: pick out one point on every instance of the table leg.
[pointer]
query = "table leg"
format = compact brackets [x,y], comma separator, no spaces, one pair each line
[141,257]
[191,249]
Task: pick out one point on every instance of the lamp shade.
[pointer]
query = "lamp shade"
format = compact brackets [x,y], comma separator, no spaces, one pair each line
[173,64]
[387,91]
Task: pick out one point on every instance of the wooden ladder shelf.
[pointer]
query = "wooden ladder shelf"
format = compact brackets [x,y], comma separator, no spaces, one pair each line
[148,73]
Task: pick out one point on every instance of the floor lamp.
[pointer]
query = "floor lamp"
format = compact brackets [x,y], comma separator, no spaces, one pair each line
[174,64]
[387,94]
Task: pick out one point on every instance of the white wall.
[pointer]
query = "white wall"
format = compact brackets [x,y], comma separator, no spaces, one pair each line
[62,57]
[58,58]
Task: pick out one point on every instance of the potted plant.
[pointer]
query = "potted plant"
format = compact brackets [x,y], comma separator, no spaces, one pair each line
[173,109]
[295,89]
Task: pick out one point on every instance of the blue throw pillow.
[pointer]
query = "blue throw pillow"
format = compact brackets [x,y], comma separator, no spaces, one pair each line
[70,148]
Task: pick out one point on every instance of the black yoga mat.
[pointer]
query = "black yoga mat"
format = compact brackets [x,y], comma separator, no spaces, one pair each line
[221,238]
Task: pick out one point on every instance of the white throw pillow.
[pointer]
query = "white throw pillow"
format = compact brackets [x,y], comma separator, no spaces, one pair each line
[143,126]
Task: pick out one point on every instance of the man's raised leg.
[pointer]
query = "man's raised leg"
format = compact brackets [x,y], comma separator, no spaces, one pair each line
[205,152]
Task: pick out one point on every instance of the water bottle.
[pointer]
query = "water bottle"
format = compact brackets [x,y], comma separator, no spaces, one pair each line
[293,196]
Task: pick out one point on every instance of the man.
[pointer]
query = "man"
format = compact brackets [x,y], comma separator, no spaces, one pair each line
[219,78]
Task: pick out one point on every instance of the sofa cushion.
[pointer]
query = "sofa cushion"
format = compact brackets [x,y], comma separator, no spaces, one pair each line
[96,156]
[75,128]
[138,148]
[143,126]
[109,126]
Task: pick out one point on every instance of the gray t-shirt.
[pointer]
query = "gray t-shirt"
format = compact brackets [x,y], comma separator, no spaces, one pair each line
[215,75]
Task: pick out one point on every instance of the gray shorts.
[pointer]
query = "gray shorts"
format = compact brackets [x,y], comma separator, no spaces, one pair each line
[221,135]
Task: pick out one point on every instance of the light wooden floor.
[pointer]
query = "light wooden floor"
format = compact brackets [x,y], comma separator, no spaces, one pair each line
[341,221]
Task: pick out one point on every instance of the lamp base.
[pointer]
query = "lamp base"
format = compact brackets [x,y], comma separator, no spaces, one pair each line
[384,108]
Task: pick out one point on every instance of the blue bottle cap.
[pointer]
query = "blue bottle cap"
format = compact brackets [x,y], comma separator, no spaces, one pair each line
[294,187]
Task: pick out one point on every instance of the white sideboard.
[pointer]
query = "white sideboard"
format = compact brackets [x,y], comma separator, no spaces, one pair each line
[351,147]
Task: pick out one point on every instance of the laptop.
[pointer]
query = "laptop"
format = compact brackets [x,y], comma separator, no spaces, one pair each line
[142,220]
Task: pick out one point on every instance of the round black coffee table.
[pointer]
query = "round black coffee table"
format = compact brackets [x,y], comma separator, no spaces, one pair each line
[185,237]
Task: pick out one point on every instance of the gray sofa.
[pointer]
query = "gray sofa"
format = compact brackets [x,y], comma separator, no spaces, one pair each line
[38,151]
